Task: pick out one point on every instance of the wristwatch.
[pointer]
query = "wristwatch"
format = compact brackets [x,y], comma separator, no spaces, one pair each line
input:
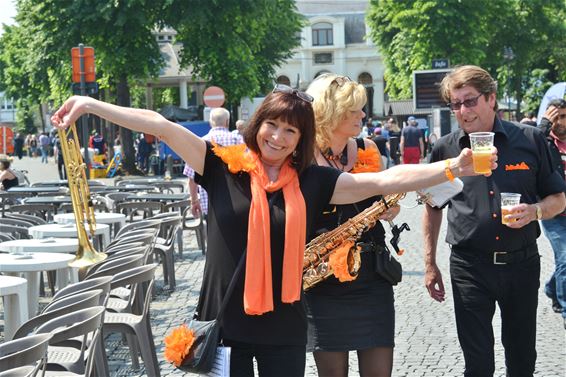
[539,212]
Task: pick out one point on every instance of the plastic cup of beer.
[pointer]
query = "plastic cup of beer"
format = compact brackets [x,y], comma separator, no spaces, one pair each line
[482,145]
[508,200]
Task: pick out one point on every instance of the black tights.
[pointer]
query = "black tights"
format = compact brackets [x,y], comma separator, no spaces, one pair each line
[372,362]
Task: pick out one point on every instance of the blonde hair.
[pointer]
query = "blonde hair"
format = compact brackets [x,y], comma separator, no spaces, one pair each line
[333,96]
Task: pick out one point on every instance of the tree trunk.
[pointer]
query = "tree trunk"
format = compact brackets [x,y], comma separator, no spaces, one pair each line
[129,158]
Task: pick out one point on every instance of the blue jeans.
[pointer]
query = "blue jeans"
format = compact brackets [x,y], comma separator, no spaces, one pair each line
[555,230]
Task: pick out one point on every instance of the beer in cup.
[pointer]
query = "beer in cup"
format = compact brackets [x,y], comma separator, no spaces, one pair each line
[508,200]
[482,146]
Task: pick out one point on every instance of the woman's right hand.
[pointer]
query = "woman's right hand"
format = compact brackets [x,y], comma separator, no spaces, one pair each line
[463,165]
[70,111]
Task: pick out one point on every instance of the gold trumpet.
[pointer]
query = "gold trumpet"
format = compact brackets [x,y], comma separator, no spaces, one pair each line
[80,197]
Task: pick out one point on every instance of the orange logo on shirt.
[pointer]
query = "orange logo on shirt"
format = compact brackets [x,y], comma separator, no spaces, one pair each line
[520,166]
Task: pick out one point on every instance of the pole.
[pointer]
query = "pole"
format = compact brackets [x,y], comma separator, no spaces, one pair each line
[84,120]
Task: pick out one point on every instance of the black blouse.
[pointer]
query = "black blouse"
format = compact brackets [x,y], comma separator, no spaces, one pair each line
[229,204]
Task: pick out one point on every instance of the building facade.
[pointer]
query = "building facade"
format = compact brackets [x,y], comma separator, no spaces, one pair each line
[336,39]
[7,111]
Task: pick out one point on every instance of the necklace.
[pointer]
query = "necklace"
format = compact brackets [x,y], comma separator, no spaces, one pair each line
[342,157]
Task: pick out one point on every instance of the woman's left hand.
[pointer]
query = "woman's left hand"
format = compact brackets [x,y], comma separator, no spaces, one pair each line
[390,214]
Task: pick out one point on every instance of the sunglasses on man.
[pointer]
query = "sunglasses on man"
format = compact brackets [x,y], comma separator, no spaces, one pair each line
[470,102]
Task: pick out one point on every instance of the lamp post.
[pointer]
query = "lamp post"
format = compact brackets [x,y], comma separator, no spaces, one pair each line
[508,55]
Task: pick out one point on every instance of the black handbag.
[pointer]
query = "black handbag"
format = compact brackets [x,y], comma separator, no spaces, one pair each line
[207,334]
[387,266]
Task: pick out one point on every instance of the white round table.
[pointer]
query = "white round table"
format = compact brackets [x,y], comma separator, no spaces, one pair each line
[67,231]
[45,245]
[116,220]
[15,300]
[30,266]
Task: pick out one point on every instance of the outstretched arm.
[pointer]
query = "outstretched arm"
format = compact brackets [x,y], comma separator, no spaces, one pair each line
[351,188]
[186,144]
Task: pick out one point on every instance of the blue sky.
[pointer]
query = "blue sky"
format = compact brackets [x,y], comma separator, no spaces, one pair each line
[7,13]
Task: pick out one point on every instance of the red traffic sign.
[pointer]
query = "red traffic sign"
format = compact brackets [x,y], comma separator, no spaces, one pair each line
[214,96]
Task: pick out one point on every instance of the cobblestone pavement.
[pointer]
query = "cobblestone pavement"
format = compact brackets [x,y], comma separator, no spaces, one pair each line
[426,340]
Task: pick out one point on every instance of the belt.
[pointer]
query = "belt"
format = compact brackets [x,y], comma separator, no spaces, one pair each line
[500,257]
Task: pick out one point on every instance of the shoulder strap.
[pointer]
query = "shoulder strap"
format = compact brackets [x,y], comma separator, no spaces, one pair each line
[231,287]
[360,143]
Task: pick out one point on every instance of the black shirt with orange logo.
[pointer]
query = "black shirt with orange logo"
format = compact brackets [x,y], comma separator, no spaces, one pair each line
[524,167]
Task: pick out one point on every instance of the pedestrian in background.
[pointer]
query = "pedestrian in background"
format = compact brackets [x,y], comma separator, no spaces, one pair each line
[44,146]
[264,198]
[411,145]
[19,145]
[553,124]
[492,263]
[357,315]
[394,139]
[240,125]
[219,134]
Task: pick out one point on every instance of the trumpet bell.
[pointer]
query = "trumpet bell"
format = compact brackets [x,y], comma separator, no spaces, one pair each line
[87,257]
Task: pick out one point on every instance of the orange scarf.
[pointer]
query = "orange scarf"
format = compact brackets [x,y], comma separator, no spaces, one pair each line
[258,291]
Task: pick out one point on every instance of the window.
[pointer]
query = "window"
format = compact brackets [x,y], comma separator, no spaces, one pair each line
[322,34]
[323,58]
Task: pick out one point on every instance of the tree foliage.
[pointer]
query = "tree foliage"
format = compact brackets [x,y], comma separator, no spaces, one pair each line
[413,32]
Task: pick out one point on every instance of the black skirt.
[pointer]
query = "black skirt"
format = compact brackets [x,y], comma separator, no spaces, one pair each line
[353,315]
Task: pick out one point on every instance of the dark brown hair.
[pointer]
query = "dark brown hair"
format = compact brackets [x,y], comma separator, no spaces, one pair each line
[468,75]
[291,109]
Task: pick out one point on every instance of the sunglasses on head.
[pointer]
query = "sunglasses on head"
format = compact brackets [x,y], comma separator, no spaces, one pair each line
[341,80]
[470,102]
[281,88]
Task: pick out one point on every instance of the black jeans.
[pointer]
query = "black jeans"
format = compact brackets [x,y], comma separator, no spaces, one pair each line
[276,361]
[477,285]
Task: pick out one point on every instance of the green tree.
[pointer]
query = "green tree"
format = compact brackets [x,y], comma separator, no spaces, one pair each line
[411,33]
[236,44]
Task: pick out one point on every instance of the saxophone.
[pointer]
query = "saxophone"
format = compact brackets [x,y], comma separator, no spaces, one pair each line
[86,254]
[316,263]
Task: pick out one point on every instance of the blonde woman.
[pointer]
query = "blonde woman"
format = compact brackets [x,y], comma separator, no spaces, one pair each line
[358,315]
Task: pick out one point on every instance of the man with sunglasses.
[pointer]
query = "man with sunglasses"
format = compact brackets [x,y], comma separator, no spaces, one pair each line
[492,263]
[553,124]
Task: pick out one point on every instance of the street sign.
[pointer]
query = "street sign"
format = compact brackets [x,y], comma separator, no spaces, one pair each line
[213,96]
[6,140]
[440,63]
[91,88]
[89,71]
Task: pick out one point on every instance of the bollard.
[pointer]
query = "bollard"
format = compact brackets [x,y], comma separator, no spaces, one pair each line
[168,167]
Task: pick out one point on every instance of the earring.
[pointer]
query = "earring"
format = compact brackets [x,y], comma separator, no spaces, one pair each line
[295,153]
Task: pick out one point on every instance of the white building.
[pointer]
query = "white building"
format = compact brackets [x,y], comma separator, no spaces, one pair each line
[336,39]
[7,111]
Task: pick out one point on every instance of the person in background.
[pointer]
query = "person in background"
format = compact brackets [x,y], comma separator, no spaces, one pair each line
[58,153]
[219,134]
[394,139]
[240,125]
[44,146]
[264,197]
[530,119]
[411,145]
[553,124]
[357,315]
[381,142]
[97,142]
[7,177]
[19,145]
[492,263]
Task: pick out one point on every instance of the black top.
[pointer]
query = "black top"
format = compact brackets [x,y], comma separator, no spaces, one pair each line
[524,167]
[229,200]
[9,183]
[558,158]
[381,142]
[412,136]
[331,218]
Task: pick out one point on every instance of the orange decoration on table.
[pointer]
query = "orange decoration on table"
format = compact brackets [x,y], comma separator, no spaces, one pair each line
[178,344]
[338,260]
[369,161]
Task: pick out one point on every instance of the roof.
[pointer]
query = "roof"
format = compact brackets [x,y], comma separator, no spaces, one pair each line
[402,107]
[334,7]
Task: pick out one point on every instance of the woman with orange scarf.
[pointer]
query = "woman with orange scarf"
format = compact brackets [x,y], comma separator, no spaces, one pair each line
[264,198]
[356,315]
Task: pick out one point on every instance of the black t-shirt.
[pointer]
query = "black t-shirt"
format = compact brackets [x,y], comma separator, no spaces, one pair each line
[229,204]
[524,166]
[412,136]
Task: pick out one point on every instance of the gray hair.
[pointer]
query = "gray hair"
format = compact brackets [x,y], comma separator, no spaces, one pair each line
[219,117]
